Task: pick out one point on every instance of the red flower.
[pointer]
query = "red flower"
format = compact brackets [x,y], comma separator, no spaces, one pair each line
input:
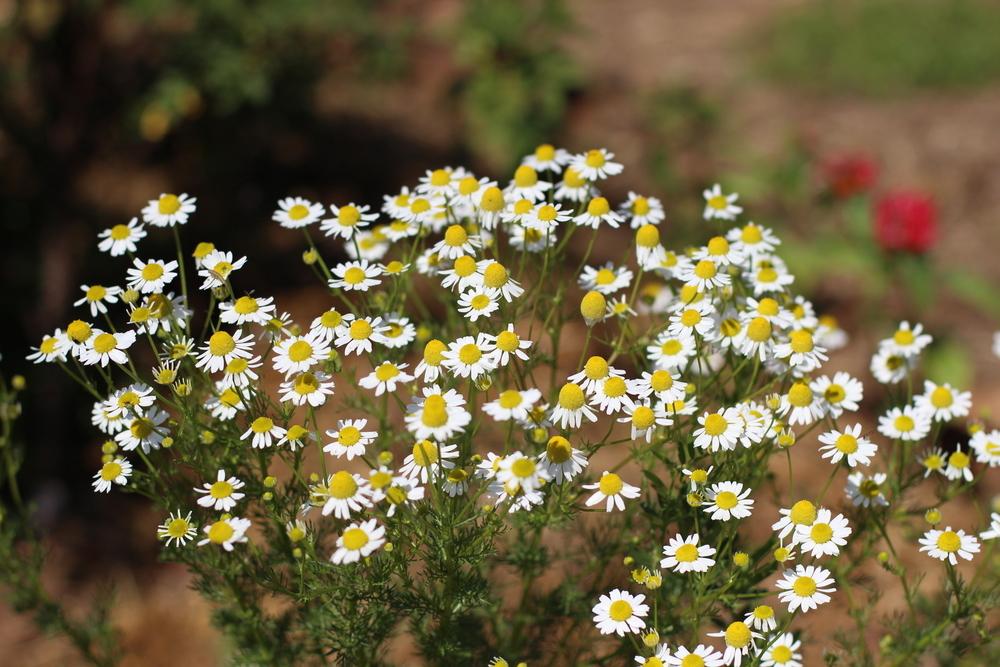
[906,221]
[850,175]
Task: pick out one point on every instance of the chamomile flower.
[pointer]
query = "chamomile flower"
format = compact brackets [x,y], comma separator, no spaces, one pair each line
[802,513]
[357,276]
[134,399]
[907,341]
[247,309]
[104,347]
[177,529]
[720,206]
[531,240]
[561,460]
[670,351]
[151,276]
[806,587]
[753,240]
[595,371]
[357,334]
[97,297]
[146,431]
[347,221]
[222,347]
[430,366]
[349,439]
[694,318]
[612,489]
[242,373]
[718,430]
[573,187]
[399,332]
[620,612]
[478,302]
[959,466]
[994,530]
[598,211]
[949,545]
[470,357]
[683,554]
[52,348]
[345,494]
[263,432]
[697,476]
[495,276]
[645,418]
[890,367]
[761,618]
[847,444]
[571,407]
[116,471]
[740,640]
[606,280]
[611,395]
[800,404]
[527,185]
[427,459]
[640,210]
[222,494]
[986,445]
[839,394]
[385,377]
[169,210]
[226,404]
[596,164]
[512,404]
[226,532]
[943,402]
[705,275]
[905,423]
[825,536]
[328,326]
[296,212]
[121,239]
[801,352]
[544,218]
[661,385]
[457,242]
[359,540]
[523,472]
[439,414]
[729,500]
[661,654]
[547,158]
[217,266]
[508,344]
[783,652]
[463,274]
[866,491]
[701,656]
[769,275]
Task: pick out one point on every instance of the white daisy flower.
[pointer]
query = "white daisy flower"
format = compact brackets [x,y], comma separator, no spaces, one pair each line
[347,221]
[825,536]
[494,276]
[740,640]
[761,618]
[399,332]
[357,276]
[247,309]
[222,347]
[596,164]
[226,532]
[470,357]
[152,275]
[308,388]
[949,545]
[120,239]
[134,399]
[705,656]
[116,471]
[719,430]
[607,280]
[52,348]
[463,274]
[359,540]
[357,334]
[720,206]
[847,444]
[907,341]
[613,489]
[349,439]
[806,587]
[801,351]
[385,377]
[527,185]
[670,351]
[694,318]
[645,419]
[508,344]
[959,466]
[866,491]
[104,347]
[729,500]
[890,367]
[906,423]
[296,212]
[801,405]
[222,494]
[427,459]
[573,187]
[561,460]
[611,395]
[345,493]
[216,267]
[478,302]
[432,362]
[572,408]
[177,529]
[620,612]
[683,554]
[522,472]
[97,297]
[783,652]
[986,445]
[512,404]
[943,402]
[544,218]
[226,404]
[242,373]
[548,158]
[753,240]
[640,210]
[169,210]
[440,415]
[841,393]
[328,326]
[598,211]
[705,275]
[802,513]
[263,432]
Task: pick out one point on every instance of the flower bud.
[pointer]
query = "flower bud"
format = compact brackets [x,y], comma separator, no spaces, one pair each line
[592,307]
[310,257]
[933,516]
[741,560]
[109,447]
[270,481]
[651,639]
[18,383]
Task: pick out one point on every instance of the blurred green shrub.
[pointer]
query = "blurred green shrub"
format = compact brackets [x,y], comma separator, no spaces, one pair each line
[880,47]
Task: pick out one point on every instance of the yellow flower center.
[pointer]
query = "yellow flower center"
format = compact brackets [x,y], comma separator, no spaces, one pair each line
[220,490]
[120,232]
[525,176]
[434,351]
[558,449]
[647,236]
[718,202]
[903,337]
[640,206]
[349,436]
[360,330]
[479,302]
[297,212]
[781,654]
[435,413]
[469,354]
[510,399]
[96,292]
[262,425]
[705,269]
[221,344]
[804,586]
[348,216]
[941,397]
[354,276]
[425,453]
[386,371]
[508,341]
[803,513]
[686,553]
[715,424]
[729,327]
[571,396]
[523,468]
[595,158]
[671,347]
[904,423]
[693,660]
[495,275]
[455,236]
[598,207]
[643,417]
[573,179]
[738,634]
[440,177]
[801,341]
[821,533]
[168,204]
[614,387]
[661,380]
[220,532]
[620,610]
[178,527]
[949,541]
[343,485]
[299,351]
[847,443]
[835,393]
[547,213]
[492,200]
[800,395]
[245,305]
[104,343]
[958,460]
[110,471]
[759,330]
[354,539]
[726,500]
[152,272]
[331,319]
[611,484]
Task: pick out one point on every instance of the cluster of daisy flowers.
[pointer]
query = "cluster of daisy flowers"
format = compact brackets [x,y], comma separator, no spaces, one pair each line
[439,340]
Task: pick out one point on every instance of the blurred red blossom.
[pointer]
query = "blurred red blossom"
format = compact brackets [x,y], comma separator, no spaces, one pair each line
[850,174]
[906,221]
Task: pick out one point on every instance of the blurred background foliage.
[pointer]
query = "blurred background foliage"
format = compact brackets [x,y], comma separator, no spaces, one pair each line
[863,131]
